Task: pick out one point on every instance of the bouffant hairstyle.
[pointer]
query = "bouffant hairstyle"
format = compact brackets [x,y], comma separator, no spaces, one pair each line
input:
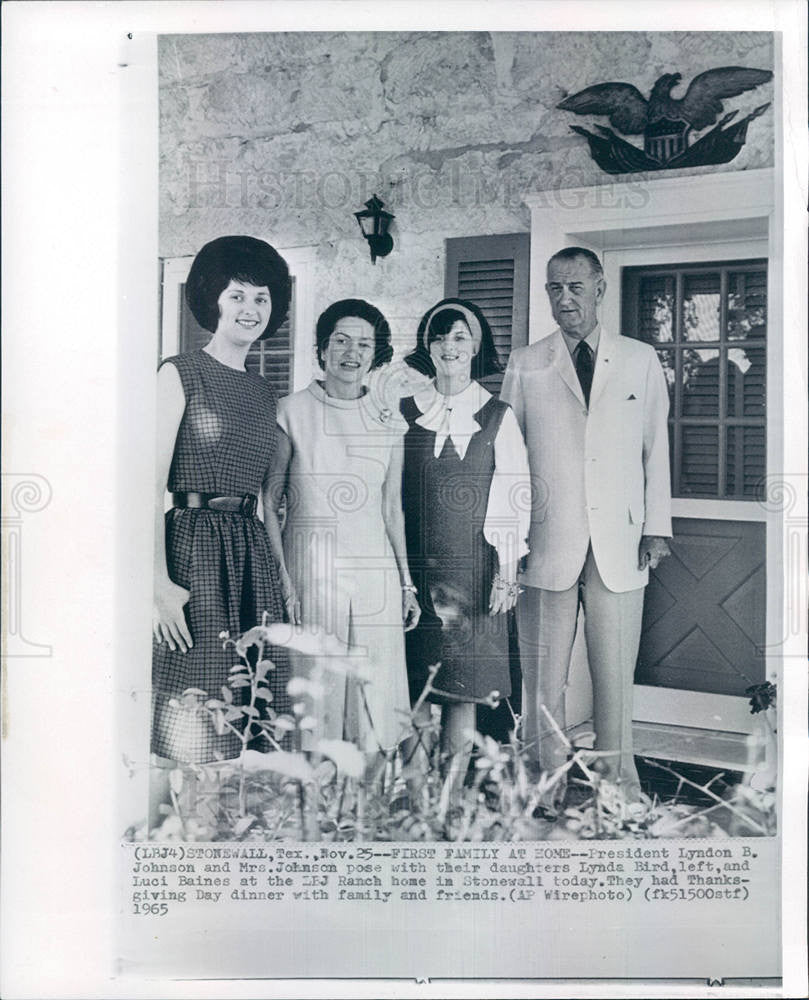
[360,309]
[438,320]
[237,258]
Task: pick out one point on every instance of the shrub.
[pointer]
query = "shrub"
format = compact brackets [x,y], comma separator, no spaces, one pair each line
[273,790]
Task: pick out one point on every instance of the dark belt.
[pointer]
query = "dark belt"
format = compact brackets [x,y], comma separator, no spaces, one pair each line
[246,505]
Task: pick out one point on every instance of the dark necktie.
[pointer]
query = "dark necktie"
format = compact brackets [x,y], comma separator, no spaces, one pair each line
[584,369]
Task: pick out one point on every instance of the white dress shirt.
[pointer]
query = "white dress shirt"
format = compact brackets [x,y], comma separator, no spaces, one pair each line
[591,340]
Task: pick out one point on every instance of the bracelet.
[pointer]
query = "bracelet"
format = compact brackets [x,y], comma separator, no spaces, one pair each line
[513,589]
[410,587]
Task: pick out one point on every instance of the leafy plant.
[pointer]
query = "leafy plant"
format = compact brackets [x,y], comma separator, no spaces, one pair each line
[762,697]
[275,790]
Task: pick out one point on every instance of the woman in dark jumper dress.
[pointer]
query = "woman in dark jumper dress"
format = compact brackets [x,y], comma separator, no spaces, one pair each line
[217,568]
[466,502]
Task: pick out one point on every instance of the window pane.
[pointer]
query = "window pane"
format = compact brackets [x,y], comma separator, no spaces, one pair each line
[699,474]
[666,359]
[747,304]
[746,461]
[708,322]
[701,306]
[701,383]
[656,309]
[746,381]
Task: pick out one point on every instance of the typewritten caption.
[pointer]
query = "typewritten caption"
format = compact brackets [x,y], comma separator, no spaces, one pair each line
[164,878]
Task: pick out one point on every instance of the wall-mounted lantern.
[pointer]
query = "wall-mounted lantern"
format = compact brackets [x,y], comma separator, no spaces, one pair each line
[374,222]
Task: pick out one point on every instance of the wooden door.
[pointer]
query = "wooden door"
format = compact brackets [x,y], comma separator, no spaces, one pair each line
[704,614]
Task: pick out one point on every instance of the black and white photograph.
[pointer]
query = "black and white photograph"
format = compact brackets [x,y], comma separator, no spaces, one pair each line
[461,465]
[456,505]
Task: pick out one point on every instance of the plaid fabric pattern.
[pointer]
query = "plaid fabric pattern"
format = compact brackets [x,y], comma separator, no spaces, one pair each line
[227,435]
[224,445]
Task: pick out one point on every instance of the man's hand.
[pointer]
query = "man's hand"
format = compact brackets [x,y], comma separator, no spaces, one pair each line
[652,549]
[411,610]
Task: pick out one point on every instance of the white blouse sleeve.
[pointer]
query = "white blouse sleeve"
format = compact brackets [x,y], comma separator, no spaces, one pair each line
[508,514]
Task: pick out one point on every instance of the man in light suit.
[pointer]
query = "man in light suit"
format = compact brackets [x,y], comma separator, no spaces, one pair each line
[593,408]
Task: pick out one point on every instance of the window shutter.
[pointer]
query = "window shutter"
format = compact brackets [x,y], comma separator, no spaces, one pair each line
[492,272]
[270,358]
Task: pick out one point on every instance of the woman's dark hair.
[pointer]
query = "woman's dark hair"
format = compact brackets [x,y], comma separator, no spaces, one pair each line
[441,317]
[360,309]
[237,258]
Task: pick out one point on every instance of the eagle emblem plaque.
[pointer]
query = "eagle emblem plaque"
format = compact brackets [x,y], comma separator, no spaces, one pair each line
[670,126]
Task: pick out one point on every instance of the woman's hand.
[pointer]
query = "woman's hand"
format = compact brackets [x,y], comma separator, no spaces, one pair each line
[388,384]
[411,610]
[503,596]
[168,615]
[292,604]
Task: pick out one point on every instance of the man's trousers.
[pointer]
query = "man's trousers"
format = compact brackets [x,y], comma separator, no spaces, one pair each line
[546,621]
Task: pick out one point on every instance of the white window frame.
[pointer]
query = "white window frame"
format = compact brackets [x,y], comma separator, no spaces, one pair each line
[301,261]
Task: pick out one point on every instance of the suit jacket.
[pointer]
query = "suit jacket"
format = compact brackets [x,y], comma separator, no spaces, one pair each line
[599,477]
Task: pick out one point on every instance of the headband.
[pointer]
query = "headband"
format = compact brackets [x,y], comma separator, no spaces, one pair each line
[471,321]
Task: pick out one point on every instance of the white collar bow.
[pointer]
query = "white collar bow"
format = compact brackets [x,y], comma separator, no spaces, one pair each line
[452,417]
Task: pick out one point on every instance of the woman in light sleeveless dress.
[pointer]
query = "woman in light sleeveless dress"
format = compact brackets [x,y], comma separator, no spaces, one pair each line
[340,459]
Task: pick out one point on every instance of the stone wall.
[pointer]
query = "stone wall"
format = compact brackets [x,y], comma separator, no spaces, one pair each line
[286,135]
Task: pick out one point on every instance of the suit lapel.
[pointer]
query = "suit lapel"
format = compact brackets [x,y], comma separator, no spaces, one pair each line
[562,361]
[605,364]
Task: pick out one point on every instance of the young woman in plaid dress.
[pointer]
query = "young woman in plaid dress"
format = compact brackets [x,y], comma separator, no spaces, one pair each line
[217,567]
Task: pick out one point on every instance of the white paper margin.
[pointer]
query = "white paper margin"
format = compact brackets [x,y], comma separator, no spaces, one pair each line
[68,200]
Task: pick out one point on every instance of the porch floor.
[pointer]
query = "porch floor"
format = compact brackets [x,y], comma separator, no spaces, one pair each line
[704,747]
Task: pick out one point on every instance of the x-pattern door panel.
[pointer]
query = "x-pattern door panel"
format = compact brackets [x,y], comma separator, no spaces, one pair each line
[704,614]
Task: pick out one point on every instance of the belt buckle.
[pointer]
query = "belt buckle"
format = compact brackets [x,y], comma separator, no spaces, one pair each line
[248,505]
